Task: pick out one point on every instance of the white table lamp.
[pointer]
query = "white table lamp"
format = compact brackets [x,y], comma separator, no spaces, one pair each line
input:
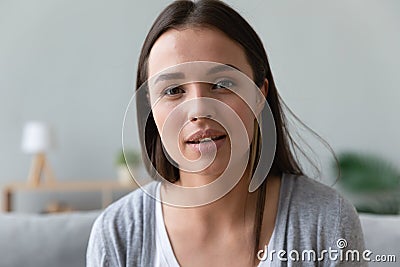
[37,139]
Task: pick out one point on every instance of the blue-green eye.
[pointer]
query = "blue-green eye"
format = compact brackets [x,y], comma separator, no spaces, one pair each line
[173,91]
[224,84]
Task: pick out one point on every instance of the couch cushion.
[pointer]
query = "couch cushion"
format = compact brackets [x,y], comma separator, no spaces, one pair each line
[382,236]
[61,239]
[45,240]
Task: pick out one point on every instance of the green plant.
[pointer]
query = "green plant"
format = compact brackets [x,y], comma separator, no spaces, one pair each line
[128,156]
[371,182]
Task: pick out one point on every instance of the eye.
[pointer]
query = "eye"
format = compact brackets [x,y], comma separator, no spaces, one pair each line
[224,84]
[173,91]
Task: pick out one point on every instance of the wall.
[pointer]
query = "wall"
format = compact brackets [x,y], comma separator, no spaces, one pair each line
[73,63]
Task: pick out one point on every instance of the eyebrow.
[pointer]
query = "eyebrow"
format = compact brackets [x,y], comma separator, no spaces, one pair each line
[181,75]
[223,67]
[170,76]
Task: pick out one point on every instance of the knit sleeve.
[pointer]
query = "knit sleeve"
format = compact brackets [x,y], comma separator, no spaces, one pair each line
[348,238]
[96,255]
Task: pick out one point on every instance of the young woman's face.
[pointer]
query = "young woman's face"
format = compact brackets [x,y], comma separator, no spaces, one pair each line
[189,113]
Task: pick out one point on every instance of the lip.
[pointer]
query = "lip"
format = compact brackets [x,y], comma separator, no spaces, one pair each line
[208,146]
[201,134]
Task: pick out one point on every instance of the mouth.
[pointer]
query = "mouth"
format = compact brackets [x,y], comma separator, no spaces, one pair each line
[206,139]
[204,136]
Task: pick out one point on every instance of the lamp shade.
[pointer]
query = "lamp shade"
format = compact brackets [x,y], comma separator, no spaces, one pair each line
[36,137]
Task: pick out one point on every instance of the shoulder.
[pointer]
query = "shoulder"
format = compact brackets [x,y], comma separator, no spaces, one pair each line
[320,211]
[315,216]
[309,194]
[122,228]
[129,209]
[305,195]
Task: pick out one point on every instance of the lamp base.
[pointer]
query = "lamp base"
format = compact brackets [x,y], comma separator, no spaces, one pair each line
[40,166]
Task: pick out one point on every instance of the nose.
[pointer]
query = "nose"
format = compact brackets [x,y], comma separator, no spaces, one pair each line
[200,107]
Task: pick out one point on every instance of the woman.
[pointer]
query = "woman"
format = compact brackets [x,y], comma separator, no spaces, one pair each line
[202,130]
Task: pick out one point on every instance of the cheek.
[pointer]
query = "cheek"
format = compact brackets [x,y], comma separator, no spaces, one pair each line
[249,121]
[159,110]
[169,121]
[247,117]
[159,116]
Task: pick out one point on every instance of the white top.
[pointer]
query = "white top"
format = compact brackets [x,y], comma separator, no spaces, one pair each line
[164,255]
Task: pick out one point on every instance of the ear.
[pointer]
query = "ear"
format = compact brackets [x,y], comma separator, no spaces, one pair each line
[261,98]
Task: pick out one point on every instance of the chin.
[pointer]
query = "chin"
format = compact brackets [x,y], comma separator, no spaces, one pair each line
[215,169]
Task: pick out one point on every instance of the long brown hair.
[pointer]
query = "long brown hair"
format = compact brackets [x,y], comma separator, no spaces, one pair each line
[214,13]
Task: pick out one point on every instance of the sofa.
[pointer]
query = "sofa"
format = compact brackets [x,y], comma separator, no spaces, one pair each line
[382,236]
[60,240]
[45,240]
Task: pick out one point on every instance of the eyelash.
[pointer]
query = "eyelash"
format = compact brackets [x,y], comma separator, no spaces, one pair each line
[167,91]
[229,87]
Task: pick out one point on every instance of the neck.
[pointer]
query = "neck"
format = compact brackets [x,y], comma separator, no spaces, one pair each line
[235,207]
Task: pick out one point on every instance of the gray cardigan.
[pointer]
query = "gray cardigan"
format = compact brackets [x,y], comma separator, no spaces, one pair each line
[311,216]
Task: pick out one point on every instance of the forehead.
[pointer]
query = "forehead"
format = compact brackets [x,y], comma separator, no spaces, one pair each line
[196,44]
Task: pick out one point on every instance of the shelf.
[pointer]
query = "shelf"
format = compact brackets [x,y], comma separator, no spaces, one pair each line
[106,187]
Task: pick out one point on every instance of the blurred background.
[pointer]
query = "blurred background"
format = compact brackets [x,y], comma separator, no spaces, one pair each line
[72,65]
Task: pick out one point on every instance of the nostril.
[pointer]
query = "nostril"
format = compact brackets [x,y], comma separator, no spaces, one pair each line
[201,117]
